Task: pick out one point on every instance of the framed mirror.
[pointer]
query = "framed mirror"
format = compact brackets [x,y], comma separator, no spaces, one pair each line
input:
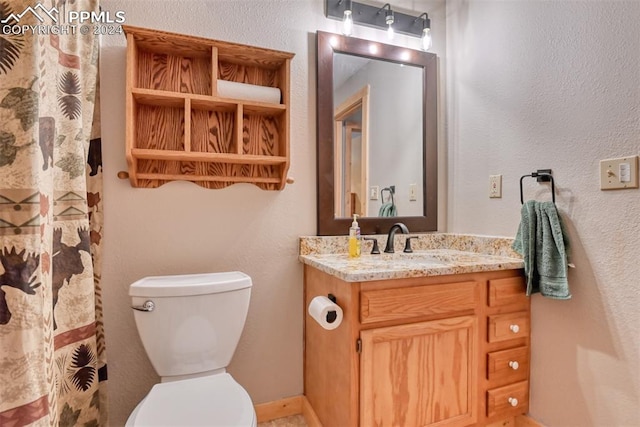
[377,136]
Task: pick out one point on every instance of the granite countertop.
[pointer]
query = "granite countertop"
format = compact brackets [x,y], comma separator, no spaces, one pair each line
[434,254]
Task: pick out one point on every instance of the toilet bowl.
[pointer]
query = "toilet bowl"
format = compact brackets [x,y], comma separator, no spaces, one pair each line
[215,401]
[190,326]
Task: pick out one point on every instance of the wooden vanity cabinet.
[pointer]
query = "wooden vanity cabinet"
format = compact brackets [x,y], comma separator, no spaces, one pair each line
[435,351]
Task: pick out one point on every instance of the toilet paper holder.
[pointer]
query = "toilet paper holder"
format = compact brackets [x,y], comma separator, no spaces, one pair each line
[332,315]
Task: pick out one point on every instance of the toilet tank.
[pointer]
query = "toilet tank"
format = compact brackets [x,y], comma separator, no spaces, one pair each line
[196,321]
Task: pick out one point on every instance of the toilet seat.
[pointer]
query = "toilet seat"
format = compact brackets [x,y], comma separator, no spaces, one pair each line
[214,400]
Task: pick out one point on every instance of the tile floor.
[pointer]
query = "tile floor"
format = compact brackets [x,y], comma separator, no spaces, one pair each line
[293,421]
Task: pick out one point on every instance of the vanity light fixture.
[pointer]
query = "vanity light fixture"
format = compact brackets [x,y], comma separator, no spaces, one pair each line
[388,19]
[351,12]
[426,41]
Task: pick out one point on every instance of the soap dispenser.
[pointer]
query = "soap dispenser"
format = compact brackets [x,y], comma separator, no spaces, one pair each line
[354,238]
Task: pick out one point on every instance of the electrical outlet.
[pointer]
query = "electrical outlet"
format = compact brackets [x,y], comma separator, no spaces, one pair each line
[413,192]
[495,186]
[374,192]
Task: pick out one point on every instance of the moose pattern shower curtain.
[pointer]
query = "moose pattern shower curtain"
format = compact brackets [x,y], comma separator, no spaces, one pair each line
[52,354]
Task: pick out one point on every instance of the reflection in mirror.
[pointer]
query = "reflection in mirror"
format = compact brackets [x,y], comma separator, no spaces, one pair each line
[377,136]
[351,122]
[395,112]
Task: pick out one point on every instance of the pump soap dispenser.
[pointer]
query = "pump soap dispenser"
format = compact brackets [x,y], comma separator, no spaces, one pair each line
[354,238]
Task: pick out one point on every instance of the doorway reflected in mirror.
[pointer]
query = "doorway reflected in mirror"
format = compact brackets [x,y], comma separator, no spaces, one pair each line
[351,123]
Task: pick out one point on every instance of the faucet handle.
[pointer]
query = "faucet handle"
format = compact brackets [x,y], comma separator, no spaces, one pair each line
[407,244]
[374,250]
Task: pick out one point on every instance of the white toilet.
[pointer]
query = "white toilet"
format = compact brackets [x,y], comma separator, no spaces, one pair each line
[190,326]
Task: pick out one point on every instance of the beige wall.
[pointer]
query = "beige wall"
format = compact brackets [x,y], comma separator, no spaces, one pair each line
[556,84]
[182,228]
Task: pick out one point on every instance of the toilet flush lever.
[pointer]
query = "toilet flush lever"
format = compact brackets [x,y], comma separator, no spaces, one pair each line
[147,306]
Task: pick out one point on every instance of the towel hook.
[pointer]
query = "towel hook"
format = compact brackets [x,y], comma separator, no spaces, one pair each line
[391,189]
[541,175]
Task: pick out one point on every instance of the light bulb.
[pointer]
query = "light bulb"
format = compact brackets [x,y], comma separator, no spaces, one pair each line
[347,23]
[426,41]
[389,20]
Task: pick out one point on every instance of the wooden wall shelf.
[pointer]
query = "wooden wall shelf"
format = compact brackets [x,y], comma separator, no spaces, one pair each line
[179,128]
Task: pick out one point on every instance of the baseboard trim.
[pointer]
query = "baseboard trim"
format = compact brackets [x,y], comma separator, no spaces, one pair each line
[309,414]
[279,408]
[300,405]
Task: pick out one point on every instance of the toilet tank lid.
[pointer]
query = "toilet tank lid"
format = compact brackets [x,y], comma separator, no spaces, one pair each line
[189,284]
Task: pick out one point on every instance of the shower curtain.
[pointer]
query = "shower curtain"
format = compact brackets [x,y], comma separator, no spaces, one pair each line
[52,352]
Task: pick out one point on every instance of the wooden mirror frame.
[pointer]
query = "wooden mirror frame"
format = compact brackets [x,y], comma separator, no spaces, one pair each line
[328,224]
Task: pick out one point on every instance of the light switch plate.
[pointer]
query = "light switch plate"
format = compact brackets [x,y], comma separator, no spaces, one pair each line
[413,192]
[495,186]
[374,192]
[617,174]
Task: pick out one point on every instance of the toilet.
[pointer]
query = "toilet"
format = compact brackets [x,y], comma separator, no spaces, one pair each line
[189,326]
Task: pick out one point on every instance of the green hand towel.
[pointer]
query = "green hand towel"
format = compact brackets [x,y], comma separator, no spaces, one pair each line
[388,209]
[543,244]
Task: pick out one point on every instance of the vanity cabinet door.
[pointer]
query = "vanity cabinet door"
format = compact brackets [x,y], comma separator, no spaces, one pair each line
[420,374]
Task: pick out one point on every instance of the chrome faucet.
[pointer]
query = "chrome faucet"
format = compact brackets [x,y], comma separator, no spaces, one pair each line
[392,233]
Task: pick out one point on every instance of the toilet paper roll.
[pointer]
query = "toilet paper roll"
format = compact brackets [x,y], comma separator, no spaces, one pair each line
[247,92]
[324,311]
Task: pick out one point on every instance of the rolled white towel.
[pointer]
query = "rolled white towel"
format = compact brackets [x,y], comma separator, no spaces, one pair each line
[247,92]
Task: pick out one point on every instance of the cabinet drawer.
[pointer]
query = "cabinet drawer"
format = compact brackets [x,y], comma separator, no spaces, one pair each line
[508,365]
[417,301]
[508,400]
[511,290]
[503,327]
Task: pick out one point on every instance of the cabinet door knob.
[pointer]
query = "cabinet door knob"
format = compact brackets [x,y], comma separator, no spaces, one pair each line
[513,401]
[514,365]
[514,328]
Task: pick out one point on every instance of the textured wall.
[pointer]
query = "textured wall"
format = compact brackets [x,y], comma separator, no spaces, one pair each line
[182,228]
[556,84]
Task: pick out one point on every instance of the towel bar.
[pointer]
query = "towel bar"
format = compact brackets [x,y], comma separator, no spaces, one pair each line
[542,175]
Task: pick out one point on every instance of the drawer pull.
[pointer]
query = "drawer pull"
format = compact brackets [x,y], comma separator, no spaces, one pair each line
[513,401]
[514,328]
[514,365]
